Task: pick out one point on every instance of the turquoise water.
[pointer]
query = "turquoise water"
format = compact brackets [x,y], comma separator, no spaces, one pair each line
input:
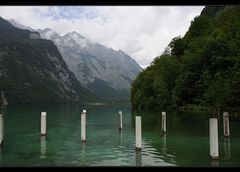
[185,144]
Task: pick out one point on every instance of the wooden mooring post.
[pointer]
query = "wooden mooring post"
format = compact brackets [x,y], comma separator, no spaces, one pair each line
[83,127]
[120,121]
[85,112]
[213,132]
[43,124]
[226,130]
[138,130]
[164,128]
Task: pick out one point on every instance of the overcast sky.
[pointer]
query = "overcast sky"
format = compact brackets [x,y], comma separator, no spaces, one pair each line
[143,32]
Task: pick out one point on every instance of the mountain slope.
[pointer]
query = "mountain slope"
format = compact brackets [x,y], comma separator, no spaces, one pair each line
[104,71]
[33,71]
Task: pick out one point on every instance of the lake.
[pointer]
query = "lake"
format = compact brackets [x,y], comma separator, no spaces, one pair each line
[186,142]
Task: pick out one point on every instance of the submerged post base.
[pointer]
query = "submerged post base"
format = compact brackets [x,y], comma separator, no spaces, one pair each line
[138,149]
[214,157]
[83,141]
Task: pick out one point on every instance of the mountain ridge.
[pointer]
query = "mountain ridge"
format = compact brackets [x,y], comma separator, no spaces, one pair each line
[32,69]
[90,61]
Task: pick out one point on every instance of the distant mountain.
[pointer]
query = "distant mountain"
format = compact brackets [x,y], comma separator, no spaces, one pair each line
[33,71]
[104,71]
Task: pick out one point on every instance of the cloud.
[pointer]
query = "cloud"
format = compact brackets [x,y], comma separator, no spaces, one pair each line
[141,31]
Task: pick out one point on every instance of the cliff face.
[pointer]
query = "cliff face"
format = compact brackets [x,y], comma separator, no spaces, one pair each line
[33,70]
[102,70]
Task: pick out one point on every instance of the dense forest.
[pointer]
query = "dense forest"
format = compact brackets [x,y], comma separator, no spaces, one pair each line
[199,70]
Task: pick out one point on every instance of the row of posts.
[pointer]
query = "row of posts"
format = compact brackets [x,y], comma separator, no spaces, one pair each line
[213,129]
[213,134]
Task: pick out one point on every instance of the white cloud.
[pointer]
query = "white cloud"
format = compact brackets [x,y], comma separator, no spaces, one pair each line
[141,31]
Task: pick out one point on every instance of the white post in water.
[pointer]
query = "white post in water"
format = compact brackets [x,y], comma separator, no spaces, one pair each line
[226,131]
[213,126]
[83,127]
[138,131]
[120,121]
[164,122]
[85,112]
[1,130]
[44,123]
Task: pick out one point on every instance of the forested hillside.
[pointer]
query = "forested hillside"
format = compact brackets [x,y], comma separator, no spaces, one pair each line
[200,69]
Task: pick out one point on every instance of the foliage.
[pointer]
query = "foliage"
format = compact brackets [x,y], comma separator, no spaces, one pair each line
[200,69]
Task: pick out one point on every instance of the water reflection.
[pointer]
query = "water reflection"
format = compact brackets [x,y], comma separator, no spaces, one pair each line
[138,158]
[214,163]
[83,154]
[164,144]
[43,149]
[227,150]
[120,138]
[1,152]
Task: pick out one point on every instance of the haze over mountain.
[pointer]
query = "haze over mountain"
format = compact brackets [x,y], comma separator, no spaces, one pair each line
[105,72]
[33,71]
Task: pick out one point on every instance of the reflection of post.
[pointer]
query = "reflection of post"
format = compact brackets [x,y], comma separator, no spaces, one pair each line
[83,154]
[43,149]
[227,150]
[164,144]
[1,130]
[1,152]
[214,163]
[138,158]
[120,138]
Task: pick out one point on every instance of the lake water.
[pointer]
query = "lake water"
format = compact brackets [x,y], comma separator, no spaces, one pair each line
[185,144]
